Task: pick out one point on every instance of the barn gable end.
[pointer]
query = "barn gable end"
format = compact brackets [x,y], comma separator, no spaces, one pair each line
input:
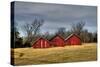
[41,43]
[73,39]
[57,41]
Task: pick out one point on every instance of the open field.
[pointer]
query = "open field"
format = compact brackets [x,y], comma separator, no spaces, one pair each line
[85,52]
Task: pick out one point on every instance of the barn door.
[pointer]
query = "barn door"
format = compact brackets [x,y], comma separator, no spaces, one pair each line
[45,44]
[41,43]
[74,42]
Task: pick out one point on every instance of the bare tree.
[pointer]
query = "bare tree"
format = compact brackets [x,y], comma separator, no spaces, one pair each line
[84,36]
[46,35]
[61,31]
[33,28]
[78,28]
[95,36]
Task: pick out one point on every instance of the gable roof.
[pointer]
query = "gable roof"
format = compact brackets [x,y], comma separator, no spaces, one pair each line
[39,39]
[56,36]
[72,35]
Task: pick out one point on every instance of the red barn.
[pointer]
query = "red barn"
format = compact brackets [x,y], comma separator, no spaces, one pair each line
[57,41]
[41,43]
[73,39]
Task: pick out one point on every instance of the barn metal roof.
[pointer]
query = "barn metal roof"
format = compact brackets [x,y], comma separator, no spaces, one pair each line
[72,35]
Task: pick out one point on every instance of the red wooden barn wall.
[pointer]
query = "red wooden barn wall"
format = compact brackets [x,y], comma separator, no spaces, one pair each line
[41,43]
[57,41]
[73,40]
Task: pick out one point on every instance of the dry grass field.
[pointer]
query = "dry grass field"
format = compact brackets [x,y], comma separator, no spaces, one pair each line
[27,56]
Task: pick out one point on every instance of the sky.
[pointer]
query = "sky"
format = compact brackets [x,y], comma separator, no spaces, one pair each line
[55,16]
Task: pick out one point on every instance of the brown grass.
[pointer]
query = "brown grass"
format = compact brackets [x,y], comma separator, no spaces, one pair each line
[85,52]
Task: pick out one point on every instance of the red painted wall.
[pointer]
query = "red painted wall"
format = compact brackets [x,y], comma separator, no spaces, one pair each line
[57,41]
[73,40]
[41,43]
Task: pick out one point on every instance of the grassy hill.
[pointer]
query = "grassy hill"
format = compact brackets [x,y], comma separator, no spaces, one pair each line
[26,56]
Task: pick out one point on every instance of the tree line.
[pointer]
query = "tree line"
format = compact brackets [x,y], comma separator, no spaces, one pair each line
[32,31]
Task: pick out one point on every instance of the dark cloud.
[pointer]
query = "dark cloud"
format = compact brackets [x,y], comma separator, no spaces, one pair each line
[56,15]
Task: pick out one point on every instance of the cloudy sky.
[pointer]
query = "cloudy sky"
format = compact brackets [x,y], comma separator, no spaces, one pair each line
[55,15]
